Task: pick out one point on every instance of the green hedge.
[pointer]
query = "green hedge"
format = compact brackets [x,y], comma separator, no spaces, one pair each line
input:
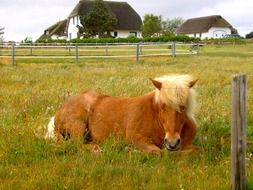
[231,40]
[130,39]
[49,40]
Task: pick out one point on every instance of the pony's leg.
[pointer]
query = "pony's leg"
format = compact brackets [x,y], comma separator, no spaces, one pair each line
[146,145]
[77,130]
[187,135]
[152,149]
[94,148]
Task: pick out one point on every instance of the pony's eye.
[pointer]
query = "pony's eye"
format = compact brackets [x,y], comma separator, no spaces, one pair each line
[163,107]
[182,109]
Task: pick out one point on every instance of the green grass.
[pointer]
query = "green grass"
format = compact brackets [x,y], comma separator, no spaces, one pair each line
[33,90]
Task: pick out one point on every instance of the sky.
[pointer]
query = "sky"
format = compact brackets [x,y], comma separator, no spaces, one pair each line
[29,18]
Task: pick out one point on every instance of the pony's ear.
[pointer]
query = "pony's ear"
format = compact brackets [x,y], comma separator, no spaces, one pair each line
[192,83]
[157,84]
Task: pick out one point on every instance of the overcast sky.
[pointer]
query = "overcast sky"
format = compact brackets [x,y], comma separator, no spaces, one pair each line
[29,18]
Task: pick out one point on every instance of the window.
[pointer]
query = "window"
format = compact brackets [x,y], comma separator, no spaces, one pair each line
[115,34]
[133,34]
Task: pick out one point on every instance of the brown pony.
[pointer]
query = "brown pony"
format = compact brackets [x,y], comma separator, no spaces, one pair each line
[163,117]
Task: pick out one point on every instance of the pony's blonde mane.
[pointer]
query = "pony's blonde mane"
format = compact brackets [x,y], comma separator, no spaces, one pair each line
[175,92]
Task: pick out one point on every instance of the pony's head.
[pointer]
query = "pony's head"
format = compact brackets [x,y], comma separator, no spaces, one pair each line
[176,101]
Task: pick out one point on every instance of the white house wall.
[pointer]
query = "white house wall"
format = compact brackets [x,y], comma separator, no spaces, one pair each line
[204,35]
[127,33]
[216,32]
[198,35]
[213,32]
[73,30]
[57,37]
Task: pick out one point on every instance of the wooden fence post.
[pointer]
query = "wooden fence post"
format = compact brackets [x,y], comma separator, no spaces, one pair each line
[106,49]
[13,53]
[31,49]
[238,133]
[76,53]
[137,52]
[69,48]
[173,49]
[198,48]
[141,49]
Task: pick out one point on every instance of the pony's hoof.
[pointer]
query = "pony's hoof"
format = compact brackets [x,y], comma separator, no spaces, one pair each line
[190,148]
[96,149]
[156,152]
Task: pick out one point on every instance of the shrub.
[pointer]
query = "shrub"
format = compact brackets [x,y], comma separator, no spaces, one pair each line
[230,40]
[249,35]
[130,39]
[46,39]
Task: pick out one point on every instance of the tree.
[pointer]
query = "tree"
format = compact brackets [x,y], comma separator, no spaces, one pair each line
[1,30]
[1,34]
[27,40]
[249,35]
[170,25]
[99,21]
[234,31]
[152,25]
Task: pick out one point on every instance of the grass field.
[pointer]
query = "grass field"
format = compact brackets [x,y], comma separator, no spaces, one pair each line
[31,92]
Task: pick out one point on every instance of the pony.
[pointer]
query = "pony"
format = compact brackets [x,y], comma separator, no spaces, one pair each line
[160,120]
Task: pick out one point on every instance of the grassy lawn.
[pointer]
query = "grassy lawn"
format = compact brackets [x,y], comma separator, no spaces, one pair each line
[31,92]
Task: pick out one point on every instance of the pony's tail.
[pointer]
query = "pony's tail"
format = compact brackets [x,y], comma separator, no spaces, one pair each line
[50,129]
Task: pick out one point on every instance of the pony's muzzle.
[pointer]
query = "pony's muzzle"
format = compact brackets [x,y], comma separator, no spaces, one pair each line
[172,144]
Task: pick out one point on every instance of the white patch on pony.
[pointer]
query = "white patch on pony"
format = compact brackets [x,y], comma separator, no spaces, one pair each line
[176,92]
[50,129]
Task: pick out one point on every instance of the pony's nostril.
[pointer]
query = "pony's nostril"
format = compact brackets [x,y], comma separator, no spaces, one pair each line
[172,144]
[178,141]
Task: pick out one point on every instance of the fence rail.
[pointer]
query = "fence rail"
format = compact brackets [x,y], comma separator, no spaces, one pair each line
[76,51]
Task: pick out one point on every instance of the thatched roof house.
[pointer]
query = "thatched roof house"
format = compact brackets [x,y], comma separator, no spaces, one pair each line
[128,18]
[57,29]
[129,22]
[206,27]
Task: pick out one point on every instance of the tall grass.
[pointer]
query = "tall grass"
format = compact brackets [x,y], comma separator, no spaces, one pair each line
[33,90]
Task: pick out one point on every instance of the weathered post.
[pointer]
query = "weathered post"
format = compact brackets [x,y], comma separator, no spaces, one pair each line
[238,133]
[173,49]
[13,53]
[141,49]
[69,48]
[198,48]
[137,52]
[76,53]
[106,49]
[31,49]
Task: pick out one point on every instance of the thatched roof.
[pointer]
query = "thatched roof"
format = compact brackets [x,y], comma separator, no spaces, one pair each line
[128,18]
[202,24]
[57,29]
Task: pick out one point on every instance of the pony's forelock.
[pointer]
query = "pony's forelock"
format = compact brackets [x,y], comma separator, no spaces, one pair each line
[176,92]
